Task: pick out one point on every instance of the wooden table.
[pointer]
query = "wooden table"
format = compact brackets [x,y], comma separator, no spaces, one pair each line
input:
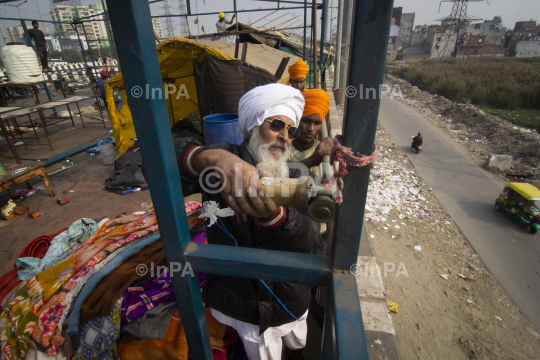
[10,178]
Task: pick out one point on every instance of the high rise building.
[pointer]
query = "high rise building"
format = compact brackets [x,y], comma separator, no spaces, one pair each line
[16,34]
[156,24]
[95,30]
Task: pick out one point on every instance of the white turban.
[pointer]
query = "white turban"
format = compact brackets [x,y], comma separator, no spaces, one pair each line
[269,100]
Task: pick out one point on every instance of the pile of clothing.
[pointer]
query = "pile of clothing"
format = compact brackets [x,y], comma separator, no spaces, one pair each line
[81,294]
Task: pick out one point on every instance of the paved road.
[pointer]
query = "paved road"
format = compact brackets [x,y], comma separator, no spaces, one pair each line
[468,193]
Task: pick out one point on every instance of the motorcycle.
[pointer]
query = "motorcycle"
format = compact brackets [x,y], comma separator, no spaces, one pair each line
[416,146]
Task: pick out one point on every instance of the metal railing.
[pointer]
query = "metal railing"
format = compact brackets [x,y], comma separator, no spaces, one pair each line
[344,336]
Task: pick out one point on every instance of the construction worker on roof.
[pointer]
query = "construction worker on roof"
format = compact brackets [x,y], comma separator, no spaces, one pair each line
[221,25]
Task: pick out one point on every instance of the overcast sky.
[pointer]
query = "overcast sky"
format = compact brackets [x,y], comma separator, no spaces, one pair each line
[426,12]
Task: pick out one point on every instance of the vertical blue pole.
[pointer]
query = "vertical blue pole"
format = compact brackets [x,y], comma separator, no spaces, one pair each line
[324,15]
[369,43]
[28,40]
[130,19]
[50,97]
[305,19]
[188,7]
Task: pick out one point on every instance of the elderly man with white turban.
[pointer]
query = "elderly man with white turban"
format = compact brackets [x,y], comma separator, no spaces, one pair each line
[262,312]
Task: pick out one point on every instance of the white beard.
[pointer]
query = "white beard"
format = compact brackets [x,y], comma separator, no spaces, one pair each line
[265,159]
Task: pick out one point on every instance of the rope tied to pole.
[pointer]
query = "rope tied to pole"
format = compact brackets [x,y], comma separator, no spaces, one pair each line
[345,157]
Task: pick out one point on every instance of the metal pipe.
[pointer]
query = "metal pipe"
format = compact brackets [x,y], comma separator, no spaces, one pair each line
[82,47]
[70,153]
[45,21]
[90,51]
[338,44]
[264,17]
[314,43]
[109,32]
[305,21]
[276,19]
[225,12]
[347,23]
[28,39]
[241,32]
[287,2]
[188,8]
[324,15]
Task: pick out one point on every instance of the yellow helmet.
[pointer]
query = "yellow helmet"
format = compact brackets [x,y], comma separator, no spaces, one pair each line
[221,15]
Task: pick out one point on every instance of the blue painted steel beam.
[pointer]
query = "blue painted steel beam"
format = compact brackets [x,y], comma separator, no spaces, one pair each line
[28,39]
[132,26]
[350,337]
[324,16]
[44,21]
[72,152]
[49,97]
[273,265]
[369,42]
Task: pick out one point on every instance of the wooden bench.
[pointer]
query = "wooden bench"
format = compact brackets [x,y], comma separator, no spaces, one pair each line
[9,179]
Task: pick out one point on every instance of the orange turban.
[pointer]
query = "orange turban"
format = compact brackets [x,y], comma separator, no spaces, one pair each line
[317,102]
[298,70]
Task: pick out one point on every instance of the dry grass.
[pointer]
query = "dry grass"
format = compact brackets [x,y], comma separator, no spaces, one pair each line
[503,83]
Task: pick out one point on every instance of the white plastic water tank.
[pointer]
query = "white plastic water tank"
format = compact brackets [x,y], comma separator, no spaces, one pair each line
[21,64]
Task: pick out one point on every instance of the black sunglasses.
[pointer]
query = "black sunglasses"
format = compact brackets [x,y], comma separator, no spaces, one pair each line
[278,125]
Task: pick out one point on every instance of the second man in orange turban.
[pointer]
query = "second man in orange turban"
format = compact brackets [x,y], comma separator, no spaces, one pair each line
[306,148]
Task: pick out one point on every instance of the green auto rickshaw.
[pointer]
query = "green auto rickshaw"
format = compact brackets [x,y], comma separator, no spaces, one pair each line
[521,201]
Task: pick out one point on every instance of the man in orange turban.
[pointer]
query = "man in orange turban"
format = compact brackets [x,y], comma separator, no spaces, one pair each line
[306,148]
[297,74]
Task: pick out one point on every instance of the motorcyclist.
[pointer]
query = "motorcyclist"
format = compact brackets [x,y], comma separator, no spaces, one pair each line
[417,140]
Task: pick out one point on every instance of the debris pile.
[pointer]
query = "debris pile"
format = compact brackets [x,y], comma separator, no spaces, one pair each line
[481,133]
[395,186]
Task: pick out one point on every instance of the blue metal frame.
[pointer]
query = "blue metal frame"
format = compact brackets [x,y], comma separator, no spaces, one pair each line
[344,333]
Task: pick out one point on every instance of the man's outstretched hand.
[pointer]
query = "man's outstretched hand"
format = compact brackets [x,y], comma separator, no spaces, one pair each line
[242,189]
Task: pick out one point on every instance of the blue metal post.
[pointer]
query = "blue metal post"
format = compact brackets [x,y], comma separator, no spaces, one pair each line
[50,97]
[366,70]
[188,7]
[28,40]
[324,16]
[305,20]
[130,19]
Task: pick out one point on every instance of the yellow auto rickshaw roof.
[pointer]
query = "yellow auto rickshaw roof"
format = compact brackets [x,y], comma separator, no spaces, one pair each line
[528,191]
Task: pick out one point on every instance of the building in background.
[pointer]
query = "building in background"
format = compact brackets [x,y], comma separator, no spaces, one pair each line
[156,24]
[404,38]
[524,40]
[95,30]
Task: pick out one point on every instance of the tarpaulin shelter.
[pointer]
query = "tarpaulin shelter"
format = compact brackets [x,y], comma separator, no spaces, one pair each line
[182,61]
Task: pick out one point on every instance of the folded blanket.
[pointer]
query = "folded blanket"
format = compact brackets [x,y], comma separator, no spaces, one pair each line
[37,248]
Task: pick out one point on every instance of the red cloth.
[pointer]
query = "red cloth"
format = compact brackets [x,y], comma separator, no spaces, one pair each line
[37,248]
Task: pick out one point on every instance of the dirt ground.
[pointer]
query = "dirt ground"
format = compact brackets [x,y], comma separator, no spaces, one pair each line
[482,134]
[450,305]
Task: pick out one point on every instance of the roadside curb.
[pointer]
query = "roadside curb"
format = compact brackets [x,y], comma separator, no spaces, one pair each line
[379,328]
